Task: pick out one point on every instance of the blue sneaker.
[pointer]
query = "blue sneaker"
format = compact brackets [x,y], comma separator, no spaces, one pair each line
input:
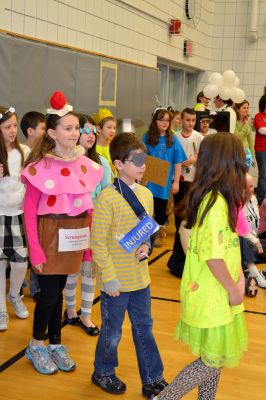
[60,357]
[41,359]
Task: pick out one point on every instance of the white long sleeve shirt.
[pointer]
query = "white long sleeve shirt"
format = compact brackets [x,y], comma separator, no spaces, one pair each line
[11,188]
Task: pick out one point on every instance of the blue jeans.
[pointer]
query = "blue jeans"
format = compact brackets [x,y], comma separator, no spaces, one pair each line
[261,189]
[138,305]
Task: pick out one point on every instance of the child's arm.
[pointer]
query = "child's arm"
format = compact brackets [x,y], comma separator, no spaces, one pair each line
[221,273]
[103,221]
[175,184]
[30,206]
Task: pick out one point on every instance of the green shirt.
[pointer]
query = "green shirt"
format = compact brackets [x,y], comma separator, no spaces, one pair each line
[244,133]
[205,302]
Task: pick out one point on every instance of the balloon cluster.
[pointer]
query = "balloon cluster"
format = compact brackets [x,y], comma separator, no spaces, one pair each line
[225,86]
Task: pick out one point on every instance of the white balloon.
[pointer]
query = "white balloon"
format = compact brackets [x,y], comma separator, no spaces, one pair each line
[229,77]
[238,95]
[215,79]
[236,81]
[211,91]
[225,93]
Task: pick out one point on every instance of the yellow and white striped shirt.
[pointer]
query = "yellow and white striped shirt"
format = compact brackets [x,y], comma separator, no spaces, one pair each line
[113,218]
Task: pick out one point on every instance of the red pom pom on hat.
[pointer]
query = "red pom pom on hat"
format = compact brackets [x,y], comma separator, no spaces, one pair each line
[58,100]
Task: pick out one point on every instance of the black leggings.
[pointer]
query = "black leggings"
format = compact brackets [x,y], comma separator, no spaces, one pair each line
[48,309]
[160,207]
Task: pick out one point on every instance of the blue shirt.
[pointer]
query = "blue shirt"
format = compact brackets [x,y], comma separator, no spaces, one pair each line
[174,154]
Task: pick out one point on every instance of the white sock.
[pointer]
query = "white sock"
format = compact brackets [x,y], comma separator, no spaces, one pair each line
[17,275]
[253,270]
[3,265]
[54,346]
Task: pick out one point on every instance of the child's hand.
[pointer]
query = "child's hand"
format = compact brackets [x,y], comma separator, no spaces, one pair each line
[259,247]
[142,252]
[236,297]
[237,294]
[1,171]
[39,267]
[114,294]
[175,187]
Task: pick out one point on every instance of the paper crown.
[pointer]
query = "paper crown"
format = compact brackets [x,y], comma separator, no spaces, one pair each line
[59,105]
[101,114]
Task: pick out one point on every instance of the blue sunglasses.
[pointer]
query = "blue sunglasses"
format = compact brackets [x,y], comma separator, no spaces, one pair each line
[88,130]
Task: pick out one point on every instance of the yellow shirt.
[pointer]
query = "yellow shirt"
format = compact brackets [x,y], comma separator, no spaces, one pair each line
[104,151]
[205,302]
[113,218]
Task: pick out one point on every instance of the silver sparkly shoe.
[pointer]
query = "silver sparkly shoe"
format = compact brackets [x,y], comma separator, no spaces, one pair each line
[41,359]
[60,357]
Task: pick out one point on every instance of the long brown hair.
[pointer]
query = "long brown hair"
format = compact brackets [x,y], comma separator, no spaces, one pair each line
[6,114]
[46,144]
[153,135]
[220,168]
[90,153]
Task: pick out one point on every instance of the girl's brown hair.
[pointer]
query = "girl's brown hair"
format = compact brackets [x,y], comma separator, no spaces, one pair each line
[46,144]
[91,153]
[153,135]
[103,121]
[238,106]
[6,114]
[220,168]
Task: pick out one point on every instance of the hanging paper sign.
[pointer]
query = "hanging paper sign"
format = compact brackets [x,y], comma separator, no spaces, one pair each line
[74,239]
[142,231]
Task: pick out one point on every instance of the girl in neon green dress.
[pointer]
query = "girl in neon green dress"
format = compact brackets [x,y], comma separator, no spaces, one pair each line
[212,288]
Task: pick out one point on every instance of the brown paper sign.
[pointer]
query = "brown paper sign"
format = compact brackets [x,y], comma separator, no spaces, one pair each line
[156,171]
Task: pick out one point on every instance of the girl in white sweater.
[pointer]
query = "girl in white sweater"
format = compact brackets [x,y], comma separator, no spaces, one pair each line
[13,248]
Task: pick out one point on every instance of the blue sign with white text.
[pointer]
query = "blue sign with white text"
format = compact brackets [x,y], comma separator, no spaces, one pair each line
[142,231]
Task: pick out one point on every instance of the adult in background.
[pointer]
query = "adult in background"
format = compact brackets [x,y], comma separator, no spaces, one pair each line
[260,148]
[243,128]
[226,105]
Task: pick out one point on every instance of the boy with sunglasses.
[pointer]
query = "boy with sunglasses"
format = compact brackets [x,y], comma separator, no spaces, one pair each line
[123,277]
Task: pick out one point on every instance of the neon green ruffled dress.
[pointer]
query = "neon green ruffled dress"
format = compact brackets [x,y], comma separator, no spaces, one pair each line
[212,328]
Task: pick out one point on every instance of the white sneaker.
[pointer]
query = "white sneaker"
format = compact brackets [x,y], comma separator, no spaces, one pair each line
[18,305]
[261,280]
[4,319]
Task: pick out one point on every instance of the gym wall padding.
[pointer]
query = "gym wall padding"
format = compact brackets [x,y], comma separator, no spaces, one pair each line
[31,71]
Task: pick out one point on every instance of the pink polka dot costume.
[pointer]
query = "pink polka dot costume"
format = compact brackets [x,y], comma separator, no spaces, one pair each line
[65,186]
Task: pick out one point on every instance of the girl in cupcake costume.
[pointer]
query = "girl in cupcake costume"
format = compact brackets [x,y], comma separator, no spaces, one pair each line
[212,288]
[88,142]
[57,207]
[13,248]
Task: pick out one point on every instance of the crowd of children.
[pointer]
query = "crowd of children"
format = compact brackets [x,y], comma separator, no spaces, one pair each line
[70,198]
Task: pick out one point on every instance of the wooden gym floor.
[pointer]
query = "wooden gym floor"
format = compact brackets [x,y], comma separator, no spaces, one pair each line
[19,381]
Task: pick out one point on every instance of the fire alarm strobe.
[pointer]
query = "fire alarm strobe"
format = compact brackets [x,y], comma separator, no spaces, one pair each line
[175,27]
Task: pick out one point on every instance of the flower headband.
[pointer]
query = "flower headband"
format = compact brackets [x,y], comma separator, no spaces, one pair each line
[10,110]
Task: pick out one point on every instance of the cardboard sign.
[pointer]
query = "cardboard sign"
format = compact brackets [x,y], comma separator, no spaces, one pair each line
[143,230]
[156,171]
[74,239]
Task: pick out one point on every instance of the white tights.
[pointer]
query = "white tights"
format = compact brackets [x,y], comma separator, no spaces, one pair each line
[17,275]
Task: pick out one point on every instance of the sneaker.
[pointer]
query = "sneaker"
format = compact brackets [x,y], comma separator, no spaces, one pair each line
[60,357]
[41,359]
[111,384]
[4,319]
[151,390]
[18,305]
[261,279]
